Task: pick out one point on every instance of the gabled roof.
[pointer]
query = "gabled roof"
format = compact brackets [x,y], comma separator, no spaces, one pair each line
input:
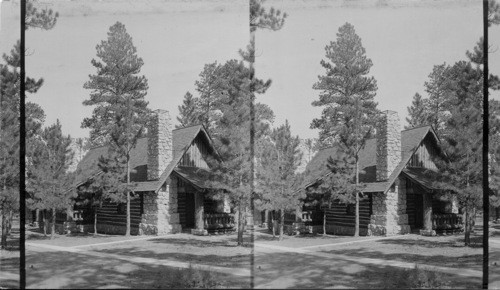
[181,140]
[422,176]
[317,169]
[196,176]
[87,167]
[410,141]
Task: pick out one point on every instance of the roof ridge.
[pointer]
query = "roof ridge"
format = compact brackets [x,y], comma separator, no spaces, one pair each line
[187,127]
[419,127]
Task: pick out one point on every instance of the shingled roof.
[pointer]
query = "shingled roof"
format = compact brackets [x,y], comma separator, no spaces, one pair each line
[367,162]
[410,140]
[181,140]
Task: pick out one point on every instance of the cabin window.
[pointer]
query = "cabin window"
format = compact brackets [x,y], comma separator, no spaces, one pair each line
[121,208]
[350,209]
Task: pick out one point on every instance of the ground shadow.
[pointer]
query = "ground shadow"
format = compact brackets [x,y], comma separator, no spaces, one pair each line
[9,269]
[292,270]
[73,270]
[235,261]
[9,261]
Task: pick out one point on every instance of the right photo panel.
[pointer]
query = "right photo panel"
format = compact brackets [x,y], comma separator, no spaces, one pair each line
[370,175]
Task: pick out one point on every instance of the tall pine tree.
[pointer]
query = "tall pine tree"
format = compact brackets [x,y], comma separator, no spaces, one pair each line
[50,177]
[231,136]
[347,96]
[278,162]
[120,111]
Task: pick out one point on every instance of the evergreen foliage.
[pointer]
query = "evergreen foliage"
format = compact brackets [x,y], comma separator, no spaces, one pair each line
[188,115]
[278,181]
[437,90]
[461,169]
[347,94]
[260,18]
[120,111]
[417,112]
[9,118]
[48,171]
[231,137]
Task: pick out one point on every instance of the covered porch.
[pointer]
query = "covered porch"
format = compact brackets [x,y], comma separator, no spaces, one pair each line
[200,214]
[429,213]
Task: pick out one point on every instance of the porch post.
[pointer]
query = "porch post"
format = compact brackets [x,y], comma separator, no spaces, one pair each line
[198,210]
[427,205]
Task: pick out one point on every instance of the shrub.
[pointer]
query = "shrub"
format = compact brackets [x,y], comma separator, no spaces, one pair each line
[416,278]
[194,278]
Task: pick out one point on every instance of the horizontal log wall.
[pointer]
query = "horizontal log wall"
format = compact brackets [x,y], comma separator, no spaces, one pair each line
[110,221]
[337,215]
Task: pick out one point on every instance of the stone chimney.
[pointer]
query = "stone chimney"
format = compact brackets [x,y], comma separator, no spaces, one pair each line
[388,144]
[160,150]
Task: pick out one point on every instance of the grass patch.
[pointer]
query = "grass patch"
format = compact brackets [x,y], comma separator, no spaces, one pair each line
[416,278]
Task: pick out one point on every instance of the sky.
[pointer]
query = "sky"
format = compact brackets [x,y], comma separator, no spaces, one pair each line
[176,38]
[403,40]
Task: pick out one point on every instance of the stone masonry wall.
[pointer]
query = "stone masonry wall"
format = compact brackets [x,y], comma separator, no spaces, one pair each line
[159,144]
[397,218]
[388,145]
[389,211]
[149,218]
[160,211]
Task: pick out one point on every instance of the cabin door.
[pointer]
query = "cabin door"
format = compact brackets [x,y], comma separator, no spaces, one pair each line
[186,209]
[415,210]
[190,210]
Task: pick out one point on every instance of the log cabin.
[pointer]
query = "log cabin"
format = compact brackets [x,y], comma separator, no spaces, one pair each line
[398,195]
[171,192]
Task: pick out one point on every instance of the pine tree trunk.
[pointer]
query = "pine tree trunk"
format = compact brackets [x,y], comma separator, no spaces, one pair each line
[53,229]
[9,223]
[282,223]
[266,218]
[241,216]
[324,223]
[273,225]
[4,230]
[252,131]
[467,228]
[95,222]
[45,226]
[37,214]
[127,231]
[356,218]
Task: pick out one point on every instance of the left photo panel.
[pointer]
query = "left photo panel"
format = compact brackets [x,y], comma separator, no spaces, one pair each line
[128,108]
